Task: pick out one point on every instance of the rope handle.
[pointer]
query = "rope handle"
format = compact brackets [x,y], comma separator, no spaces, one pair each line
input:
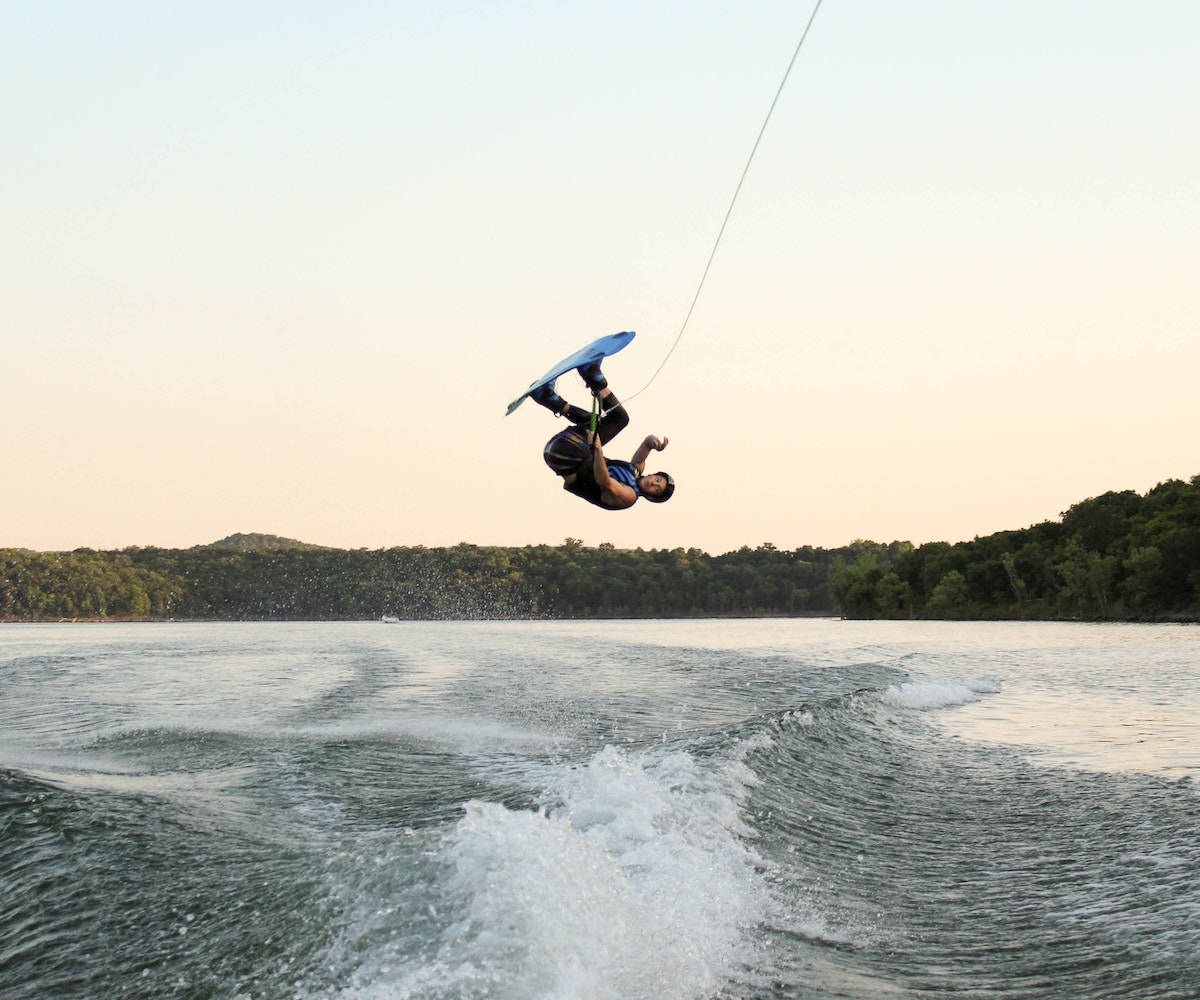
[595,417]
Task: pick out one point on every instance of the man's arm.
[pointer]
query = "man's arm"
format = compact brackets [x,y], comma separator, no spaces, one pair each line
[652,443]
[614,494]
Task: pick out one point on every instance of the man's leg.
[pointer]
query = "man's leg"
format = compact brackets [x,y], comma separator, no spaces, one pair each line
[546,396]
[614,419]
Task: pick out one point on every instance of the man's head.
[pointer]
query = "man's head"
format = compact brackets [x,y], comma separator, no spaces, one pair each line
[656,486]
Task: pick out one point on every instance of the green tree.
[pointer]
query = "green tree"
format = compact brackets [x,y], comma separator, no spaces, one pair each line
[1142,586]
[949,597]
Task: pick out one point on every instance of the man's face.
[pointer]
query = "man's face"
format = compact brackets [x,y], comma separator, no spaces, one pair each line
[654,485]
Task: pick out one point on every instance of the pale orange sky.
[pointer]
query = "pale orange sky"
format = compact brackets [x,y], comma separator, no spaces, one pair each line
[285,276]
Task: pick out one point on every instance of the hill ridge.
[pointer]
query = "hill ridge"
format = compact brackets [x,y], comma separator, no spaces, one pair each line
[252,541]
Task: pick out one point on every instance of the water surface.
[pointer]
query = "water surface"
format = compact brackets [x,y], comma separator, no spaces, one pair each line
[734,809]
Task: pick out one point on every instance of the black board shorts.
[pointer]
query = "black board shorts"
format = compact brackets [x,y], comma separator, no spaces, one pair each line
[569,449]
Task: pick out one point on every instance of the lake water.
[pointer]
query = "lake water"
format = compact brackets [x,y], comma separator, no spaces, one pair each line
[594,810]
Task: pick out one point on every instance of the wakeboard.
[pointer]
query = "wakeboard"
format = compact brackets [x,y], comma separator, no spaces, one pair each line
[595,351]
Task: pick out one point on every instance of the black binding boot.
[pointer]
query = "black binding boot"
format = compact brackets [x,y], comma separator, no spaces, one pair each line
[544,395]
[593,376]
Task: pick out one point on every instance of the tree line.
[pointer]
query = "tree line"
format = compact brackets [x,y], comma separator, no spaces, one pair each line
[464,581]
[1118,556]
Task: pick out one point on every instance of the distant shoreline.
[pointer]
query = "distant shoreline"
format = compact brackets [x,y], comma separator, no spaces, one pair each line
[1120,557]
[1165,620]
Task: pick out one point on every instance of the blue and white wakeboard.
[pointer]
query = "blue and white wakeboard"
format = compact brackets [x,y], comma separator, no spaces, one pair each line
[594,351]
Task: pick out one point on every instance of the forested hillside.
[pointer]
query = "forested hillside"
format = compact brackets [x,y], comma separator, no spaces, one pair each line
[1118,556]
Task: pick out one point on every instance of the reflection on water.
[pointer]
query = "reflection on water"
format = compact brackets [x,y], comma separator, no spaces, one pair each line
[1102,732]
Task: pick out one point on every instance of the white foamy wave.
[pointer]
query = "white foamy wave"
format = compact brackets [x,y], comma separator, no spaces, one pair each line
[929,694]
[635,880]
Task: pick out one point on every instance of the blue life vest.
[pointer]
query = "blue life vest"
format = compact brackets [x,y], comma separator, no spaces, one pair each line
[588,489]
[623,472]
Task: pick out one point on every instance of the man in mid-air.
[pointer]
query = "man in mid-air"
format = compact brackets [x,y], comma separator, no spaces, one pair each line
[577,455]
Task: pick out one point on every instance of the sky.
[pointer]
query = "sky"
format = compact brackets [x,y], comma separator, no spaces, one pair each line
[279,267]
